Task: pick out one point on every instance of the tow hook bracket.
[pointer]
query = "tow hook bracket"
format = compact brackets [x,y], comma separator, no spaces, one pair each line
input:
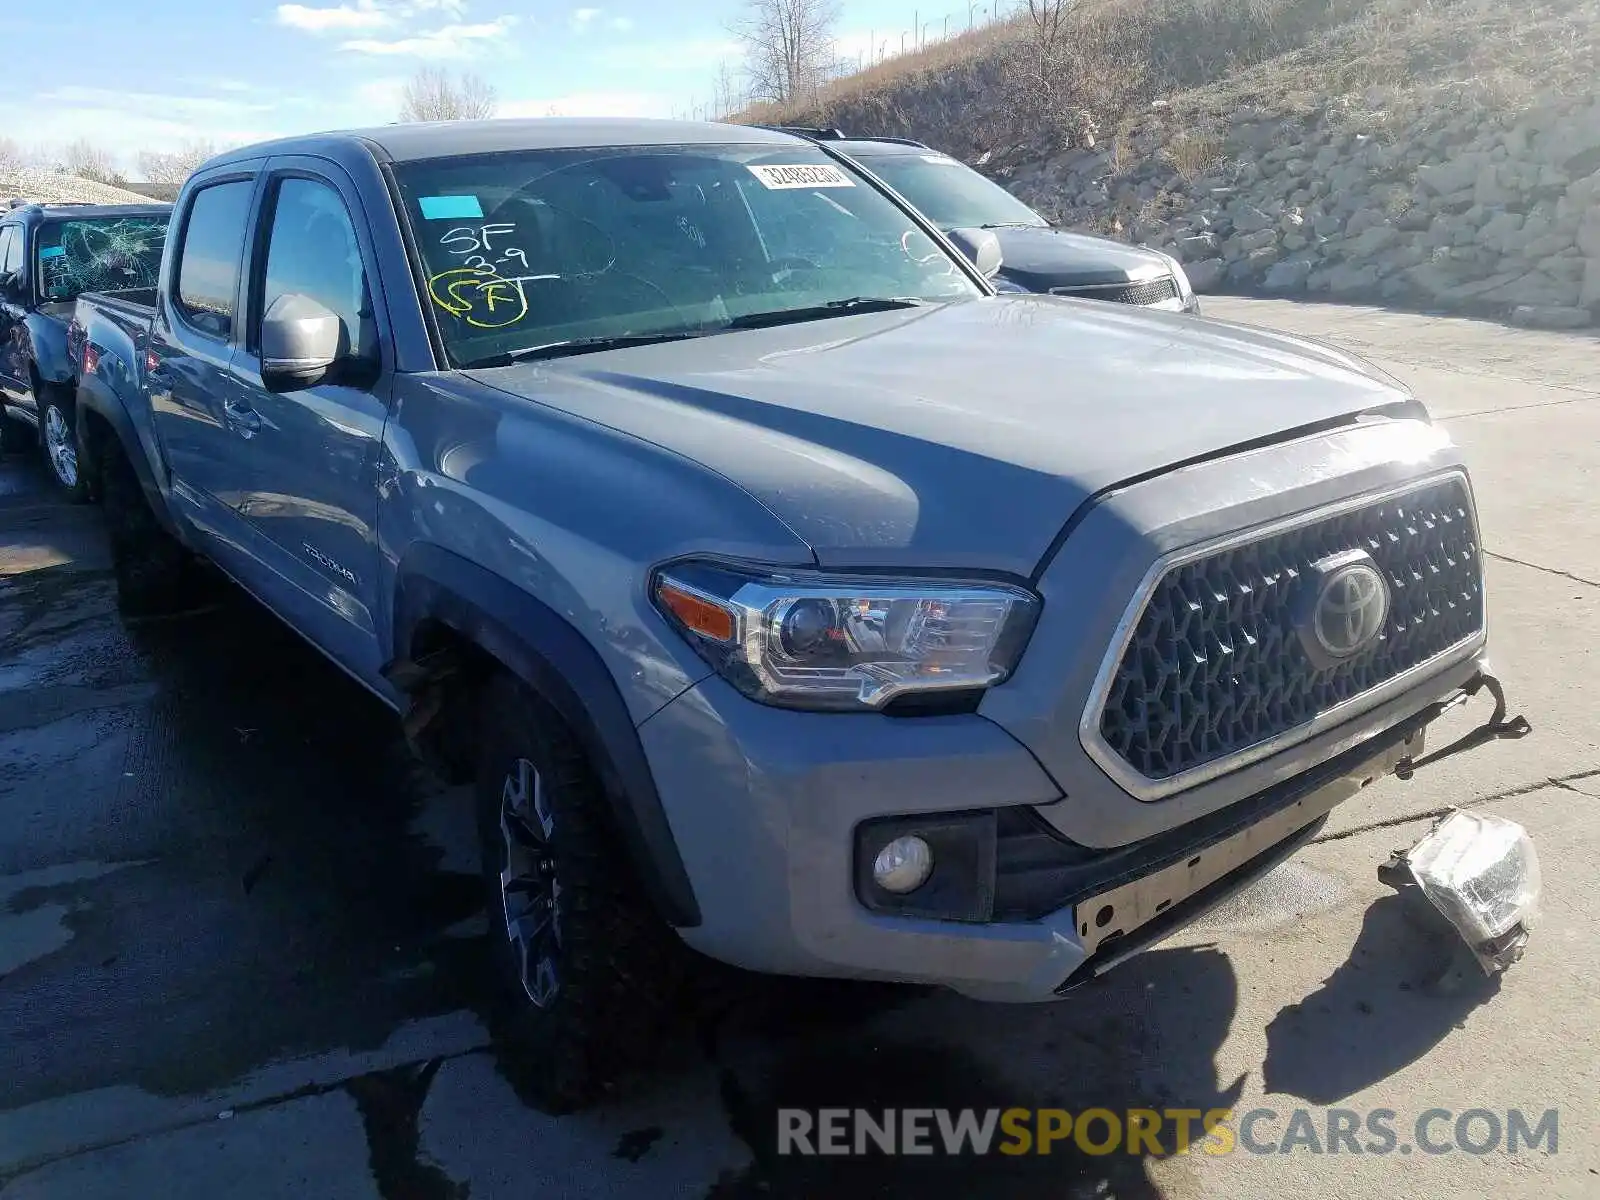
[1496,727]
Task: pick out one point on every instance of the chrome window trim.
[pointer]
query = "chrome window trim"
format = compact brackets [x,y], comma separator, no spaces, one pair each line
[1142,787]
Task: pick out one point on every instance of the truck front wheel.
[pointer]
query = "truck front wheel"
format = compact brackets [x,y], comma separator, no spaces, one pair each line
[584,967]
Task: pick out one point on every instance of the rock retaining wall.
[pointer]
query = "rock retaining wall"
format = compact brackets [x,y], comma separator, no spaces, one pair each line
[1480,212]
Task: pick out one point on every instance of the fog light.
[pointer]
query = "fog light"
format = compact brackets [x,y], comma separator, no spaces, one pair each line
[903,865]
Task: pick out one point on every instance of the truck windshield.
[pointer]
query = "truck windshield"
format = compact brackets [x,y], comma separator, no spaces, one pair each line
[99,254]
[949,193]
[586,247]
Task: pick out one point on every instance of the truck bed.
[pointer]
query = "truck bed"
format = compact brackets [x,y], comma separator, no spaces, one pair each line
[131,302]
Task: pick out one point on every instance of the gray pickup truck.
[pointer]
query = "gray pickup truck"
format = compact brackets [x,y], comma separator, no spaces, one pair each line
[786,592]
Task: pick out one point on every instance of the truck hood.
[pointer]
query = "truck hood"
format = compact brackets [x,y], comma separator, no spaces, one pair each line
[962,435]
[1040,258]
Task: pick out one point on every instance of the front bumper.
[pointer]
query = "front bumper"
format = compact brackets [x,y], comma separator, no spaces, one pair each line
[765,805]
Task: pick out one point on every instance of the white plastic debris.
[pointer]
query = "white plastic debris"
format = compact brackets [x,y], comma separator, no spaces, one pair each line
[1482,873]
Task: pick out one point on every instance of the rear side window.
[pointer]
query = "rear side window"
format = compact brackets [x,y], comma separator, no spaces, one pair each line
[102,254]
[208,264]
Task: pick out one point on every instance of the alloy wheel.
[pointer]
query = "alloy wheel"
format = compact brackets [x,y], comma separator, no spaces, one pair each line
[61,446]
[529,891]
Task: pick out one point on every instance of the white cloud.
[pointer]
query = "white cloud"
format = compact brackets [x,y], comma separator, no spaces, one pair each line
[365,15]
[590,104]
[452,41]
[127,122]
[380,94]
[583,20]
[179,108]
[695,54]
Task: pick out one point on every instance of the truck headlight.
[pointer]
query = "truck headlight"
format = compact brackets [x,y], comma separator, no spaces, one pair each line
[800,639]
[1482,873]
[1191,302]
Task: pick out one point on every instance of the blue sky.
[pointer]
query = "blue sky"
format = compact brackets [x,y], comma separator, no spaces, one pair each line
[153,73]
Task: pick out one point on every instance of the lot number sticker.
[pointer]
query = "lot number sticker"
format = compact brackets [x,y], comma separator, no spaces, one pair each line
[801,175]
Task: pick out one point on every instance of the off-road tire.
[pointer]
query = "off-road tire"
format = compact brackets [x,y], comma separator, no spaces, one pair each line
[619,965]
[54,400]
[155,574]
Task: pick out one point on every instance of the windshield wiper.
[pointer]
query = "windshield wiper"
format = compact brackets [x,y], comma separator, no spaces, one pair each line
[1012,225]
[818,312]
[583,345]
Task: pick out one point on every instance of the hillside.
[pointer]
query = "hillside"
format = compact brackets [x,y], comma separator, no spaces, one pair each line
[1445,153]
[42,186]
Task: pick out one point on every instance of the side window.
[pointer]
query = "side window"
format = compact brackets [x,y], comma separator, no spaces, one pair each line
[10,248]
[208,262]
[313,251]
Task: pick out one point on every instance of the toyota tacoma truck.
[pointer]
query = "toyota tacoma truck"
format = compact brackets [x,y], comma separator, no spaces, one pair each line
[49,253]
[788,595]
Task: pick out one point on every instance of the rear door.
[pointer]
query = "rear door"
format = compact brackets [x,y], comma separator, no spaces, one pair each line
[313,453]
[193,396]
[12,334]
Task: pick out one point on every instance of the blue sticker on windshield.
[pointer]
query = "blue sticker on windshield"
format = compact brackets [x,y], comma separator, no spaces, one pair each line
[52,251]
[450,208]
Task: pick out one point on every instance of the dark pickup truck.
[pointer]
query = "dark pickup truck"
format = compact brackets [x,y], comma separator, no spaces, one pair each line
[783,590]
[48,255]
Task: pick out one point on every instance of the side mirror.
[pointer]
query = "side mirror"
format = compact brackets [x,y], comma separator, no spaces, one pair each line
[981,247]
[301,341]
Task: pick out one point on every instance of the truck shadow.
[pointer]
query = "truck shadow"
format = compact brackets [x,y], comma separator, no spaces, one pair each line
[1143,1038]
[1399,993]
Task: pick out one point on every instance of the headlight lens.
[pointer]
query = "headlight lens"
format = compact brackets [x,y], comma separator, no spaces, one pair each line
[1191,302]
[806,640]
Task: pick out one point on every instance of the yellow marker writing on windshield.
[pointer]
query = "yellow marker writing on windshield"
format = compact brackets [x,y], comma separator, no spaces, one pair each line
[482,301]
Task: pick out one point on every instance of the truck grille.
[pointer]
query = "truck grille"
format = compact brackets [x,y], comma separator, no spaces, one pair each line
[1147,291]
[1215,668]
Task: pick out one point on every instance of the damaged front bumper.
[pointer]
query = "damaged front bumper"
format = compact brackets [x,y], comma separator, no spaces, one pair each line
[1208,861]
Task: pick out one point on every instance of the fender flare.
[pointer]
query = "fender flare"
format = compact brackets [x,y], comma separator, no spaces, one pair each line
[96,396]
[550,656]
[47,349]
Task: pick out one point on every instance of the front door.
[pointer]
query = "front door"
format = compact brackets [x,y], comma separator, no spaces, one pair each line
[13,380]
[194,399]
[312,501]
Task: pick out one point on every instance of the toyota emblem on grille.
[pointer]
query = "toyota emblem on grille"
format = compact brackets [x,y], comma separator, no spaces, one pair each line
[1349,604]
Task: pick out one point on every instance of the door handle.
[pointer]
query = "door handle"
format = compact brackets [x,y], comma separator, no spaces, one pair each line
[241,417]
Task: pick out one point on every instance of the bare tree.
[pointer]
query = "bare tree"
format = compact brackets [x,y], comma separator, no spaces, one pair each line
[12,157]
[88,161]
[788,47]
[727,94]
[433,95]
[171,167]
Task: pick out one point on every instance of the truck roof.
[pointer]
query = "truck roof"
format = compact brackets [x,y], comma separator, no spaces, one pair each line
[410,141]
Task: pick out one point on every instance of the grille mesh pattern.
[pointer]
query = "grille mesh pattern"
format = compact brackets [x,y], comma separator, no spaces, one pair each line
[1149,291]
[1215,665]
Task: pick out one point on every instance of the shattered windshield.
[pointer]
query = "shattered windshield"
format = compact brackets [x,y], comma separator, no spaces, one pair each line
[99,254]
[590,247]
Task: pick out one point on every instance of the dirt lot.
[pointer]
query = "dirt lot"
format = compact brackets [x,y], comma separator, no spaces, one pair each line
[238,933]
